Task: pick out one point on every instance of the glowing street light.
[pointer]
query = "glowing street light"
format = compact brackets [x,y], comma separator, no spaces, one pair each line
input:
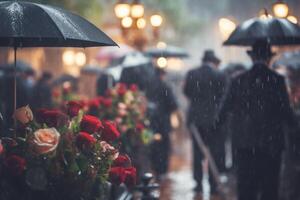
[137,9]
[292,19]
[127,22]
[68,57]
[122,9]
[161,45]
[226,27]
[141,23]
[80,58]
[162,62]
[280,9]
[156,20]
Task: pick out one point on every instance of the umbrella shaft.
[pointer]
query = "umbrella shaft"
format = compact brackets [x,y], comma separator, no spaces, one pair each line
[15,89]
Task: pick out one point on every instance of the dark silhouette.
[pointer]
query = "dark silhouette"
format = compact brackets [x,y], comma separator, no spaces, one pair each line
[140,75]
[258,104]
[162,104]
[104,82]
[7,93]
[205,87]
[42,96]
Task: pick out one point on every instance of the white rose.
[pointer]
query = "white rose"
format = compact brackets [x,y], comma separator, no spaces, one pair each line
[45,140]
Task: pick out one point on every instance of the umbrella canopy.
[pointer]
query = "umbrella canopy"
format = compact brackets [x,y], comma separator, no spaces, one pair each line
[26,24]
[133,59]
[276,31]
[168,51]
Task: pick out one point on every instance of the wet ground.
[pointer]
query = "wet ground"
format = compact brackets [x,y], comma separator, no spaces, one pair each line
[179,183]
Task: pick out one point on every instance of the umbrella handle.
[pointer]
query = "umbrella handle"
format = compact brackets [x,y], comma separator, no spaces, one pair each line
[15,89]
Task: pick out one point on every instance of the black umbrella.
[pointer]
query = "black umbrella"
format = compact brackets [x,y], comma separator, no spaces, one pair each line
[276,31]
[26,24]
[168,51]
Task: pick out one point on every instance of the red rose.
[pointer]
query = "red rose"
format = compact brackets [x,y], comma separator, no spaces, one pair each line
[110,132]
[140,127]
[130,178]
[134,88]
[52,118]
[73,108]
[15,164]
[117,175]
[106,102]
[122,161]
[90,124]
[122,89]
[94,103]
[85,141]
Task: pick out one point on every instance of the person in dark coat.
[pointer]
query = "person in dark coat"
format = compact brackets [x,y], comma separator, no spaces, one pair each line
[258,103]
[140,75]
[204,87]
[162,104]
[42,96]
[104,82]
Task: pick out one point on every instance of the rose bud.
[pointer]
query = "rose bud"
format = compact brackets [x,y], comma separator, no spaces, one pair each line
[117,175]
[122,161]
[110,132]
[122,89]
[94,103]
[45,140]
[134,88]
[15,164]
[85,141]
[106,102]
[23,114]
[90,124]
[73,108]
[52,118]
[130,178]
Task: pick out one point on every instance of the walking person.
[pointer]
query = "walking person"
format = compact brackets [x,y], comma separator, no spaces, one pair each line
[163,102]
[258,104]
[204,87]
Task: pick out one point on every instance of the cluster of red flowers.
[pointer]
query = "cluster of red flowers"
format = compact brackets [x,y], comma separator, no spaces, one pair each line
[123,172]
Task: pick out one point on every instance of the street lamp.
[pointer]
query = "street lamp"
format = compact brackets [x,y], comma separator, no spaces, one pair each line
[141,23]
[137,9]
[156,20]
[122,9]
[126,22]
[226,27]
[292,19]
[280,9]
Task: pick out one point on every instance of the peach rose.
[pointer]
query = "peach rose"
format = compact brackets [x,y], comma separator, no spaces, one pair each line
[45,140]
[23,114]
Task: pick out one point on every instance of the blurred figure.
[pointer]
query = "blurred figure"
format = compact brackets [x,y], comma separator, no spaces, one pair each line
[42,96]
[205,87]
[259,105]
[162,104]
[104,82]
[7,93]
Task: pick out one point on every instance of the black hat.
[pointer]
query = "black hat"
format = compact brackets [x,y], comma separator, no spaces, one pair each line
[209,56]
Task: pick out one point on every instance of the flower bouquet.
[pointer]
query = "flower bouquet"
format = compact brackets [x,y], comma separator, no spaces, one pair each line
[59,156]
[126,107]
